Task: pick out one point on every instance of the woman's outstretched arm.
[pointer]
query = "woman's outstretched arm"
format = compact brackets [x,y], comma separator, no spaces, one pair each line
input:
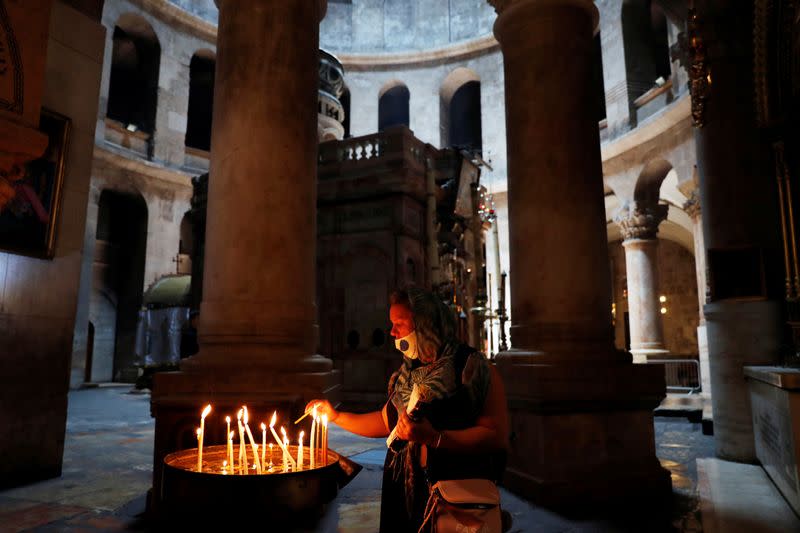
[371,424]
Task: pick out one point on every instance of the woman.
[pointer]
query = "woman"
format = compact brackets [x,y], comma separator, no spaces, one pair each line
[460,428]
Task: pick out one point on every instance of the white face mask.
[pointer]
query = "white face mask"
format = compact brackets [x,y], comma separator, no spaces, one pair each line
[408,345]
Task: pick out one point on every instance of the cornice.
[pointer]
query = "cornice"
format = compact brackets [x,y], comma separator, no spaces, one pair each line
[179,19]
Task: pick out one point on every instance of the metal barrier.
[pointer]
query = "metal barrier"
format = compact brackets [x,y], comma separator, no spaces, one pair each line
[681,375]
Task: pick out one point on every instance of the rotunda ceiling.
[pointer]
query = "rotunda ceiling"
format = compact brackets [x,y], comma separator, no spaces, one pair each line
[387,26]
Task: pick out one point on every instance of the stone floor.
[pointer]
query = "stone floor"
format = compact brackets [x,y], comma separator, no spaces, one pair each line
[107,471]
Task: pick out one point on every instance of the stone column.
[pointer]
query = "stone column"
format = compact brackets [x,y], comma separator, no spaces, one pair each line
[692,208]
[639,228]
[257,325]
[581,413]
[740,222]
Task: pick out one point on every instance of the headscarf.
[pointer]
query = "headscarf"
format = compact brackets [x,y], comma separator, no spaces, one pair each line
[435,326]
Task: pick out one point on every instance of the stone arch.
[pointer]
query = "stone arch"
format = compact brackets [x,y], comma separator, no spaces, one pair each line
[645,39]
[393,105]
[460,109]
[647,188]
[201,99]
[135,64]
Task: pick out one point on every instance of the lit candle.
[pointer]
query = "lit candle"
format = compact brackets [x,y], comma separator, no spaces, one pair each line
[277,439]
[199,455]
[202,433]
[270,457]
[224,467]
[230,451]
[252,441]
[324,440]
[263,443]
[242,454]
[318,438]
[313,438]
[300,452]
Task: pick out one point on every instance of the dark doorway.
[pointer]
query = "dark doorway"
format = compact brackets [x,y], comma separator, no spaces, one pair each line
[465,117]
[393,107]
[117,285]
[135,63]
[201,101]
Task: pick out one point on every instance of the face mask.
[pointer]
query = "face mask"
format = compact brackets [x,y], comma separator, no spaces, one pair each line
[408,345]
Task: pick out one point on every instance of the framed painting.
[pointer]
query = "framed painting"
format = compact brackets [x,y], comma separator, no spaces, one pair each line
[30,204]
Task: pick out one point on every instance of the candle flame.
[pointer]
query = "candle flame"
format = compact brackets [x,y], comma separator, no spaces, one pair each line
[263,426]
[246,415]
[239,414]
[224,464]
[230,435]
[325,420]
[228,419]
[283,432]
[301,435]
[274,418]
[198,432]
[206,411]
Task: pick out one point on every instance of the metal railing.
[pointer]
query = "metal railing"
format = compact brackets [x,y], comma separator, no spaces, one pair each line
[681,375]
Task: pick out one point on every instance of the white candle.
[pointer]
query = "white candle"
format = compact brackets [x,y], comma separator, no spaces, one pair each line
[318,438]
[199,455]
[277,439]
[242,454]
[252,441]
[300,452]
[263,444]
[224,467]
[230,451]
[285,451]
[270,456]
[324,440]
[313,438]
[202,433]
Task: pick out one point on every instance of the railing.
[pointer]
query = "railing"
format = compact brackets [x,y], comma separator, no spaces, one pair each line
[681,375]
[394,143]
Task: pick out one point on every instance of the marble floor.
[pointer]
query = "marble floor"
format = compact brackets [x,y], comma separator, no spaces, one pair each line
[108,465]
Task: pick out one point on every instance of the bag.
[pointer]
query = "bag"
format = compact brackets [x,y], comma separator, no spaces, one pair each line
[463,506]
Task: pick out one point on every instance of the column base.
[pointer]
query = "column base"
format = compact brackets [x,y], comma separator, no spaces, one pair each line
[179,397]
[642,355]
[583,433]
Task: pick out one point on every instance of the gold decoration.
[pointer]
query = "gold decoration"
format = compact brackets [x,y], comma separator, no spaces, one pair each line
[699,73]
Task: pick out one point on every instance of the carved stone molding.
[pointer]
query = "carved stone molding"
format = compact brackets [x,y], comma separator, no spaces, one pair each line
[640,222]
[692,205]
[699,73]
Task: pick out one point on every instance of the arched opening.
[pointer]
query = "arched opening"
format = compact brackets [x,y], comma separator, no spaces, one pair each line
[186,245]
[118,278]
[460,110]
[201,100]
[597,79]
[393,106]
[645,36]
[345,101]
[135,61]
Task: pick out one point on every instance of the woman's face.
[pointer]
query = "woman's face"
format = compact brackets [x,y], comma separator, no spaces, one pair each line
[402,320]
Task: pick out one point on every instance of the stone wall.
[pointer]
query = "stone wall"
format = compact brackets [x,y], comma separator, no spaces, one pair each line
[38,297]
[678,282]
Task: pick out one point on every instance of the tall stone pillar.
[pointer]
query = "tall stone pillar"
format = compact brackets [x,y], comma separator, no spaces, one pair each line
[639,226]
[740,220]
[581,412]
[692,208]
[257,319]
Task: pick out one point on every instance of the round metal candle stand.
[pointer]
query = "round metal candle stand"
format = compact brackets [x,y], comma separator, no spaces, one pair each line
[278,497]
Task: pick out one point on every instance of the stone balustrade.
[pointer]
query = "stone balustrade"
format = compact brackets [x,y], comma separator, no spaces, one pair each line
[393,144]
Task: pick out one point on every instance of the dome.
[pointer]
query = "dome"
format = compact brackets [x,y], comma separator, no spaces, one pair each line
[387,26]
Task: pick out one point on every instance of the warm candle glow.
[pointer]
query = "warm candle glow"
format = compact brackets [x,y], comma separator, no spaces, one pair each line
[206,411]
[263,444]
[300,452]
[324,439]
[199,433]
[274,419]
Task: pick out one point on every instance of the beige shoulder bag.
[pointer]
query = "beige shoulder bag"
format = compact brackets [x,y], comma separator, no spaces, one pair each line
[463,506]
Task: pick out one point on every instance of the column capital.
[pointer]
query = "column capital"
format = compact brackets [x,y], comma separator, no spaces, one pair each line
[692,205]
[514,8]
[640,221]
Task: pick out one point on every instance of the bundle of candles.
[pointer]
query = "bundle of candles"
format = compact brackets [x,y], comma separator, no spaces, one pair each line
[314,456]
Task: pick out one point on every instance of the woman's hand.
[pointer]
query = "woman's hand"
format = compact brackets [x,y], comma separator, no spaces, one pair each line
[324,407]
[422,432]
